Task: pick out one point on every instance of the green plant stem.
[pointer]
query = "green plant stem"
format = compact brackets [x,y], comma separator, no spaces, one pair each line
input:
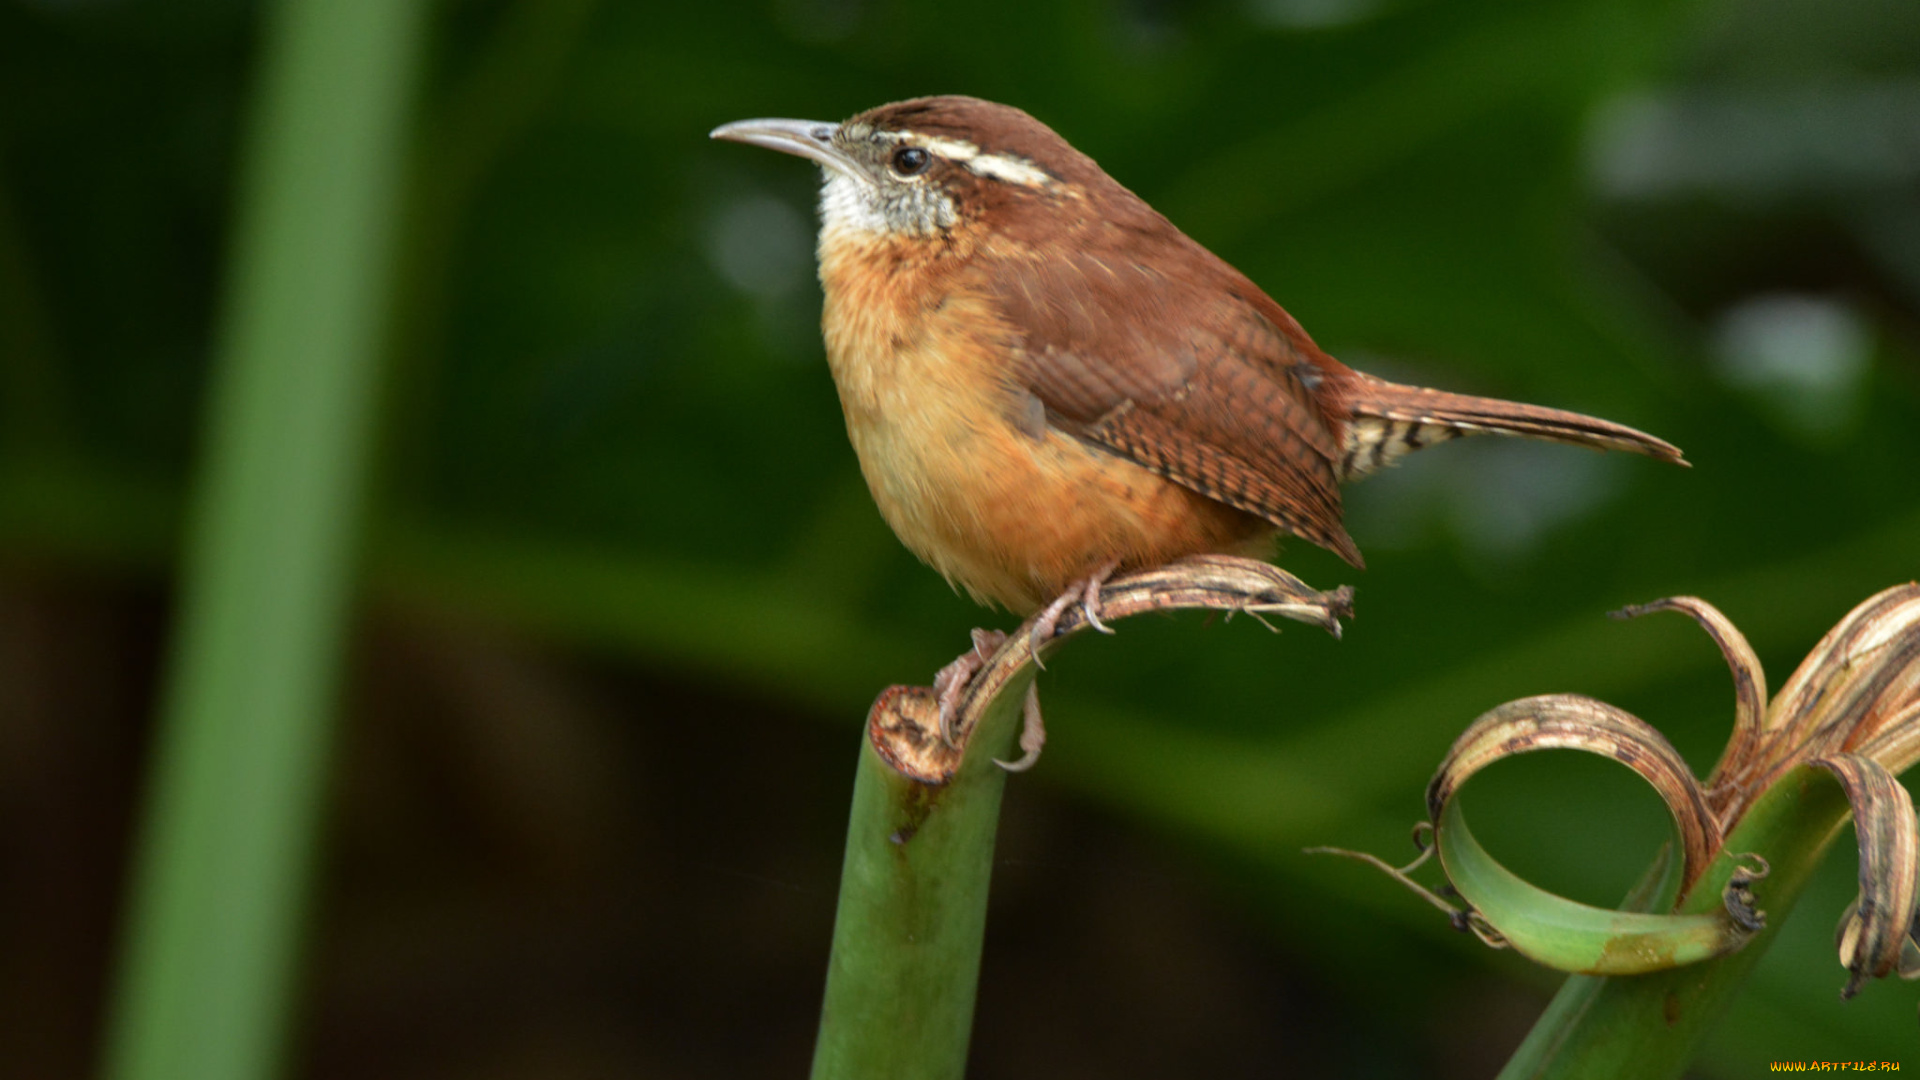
[1649,1026]
[913,912]
[228,835]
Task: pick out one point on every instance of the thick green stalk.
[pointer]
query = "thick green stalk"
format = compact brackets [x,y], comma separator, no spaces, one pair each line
[228,835]
[1649,1026]
[913,911]
[926,805]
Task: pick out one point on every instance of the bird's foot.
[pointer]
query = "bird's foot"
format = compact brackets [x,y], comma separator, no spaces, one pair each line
[950,685]
[1033,734]
[1086,593]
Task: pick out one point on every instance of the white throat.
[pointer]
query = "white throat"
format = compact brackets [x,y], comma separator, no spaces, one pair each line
[848,205]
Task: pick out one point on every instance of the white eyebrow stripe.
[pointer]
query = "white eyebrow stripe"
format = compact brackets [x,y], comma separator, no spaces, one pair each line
[1005,167]
[952,149]
[1009,168]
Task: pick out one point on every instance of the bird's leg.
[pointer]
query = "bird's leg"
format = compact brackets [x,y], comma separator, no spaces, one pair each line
[1033,733]
[950,684]
[1086,593]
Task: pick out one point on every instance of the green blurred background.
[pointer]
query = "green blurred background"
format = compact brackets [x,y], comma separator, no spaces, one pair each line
[624,599]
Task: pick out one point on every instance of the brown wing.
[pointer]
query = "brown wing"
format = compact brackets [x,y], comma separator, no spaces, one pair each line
[1187,374]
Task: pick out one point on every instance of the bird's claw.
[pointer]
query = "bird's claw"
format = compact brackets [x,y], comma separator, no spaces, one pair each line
[950,684]
[1033,734]
[1042,629]
[1090,596]
[1087,594]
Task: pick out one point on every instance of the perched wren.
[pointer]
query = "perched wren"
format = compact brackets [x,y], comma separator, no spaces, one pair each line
[1045,380]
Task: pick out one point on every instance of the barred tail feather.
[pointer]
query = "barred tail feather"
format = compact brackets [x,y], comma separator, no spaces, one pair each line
[1388,420]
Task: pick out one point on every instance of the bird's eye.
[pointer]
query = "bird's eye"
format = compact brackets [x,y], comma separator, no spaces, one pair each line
[911,161]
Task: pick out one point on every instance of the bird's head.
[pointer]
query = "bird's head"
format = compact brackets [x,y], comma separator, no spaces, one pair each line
[922,167]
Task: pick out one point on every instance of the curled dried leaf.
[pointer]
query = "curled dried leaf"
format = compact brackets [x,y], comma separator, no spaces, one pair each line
[1865,671]
[1876,928]
[904,723]
[1749,690]
[1570,721]
[1852,708]
[1897,744]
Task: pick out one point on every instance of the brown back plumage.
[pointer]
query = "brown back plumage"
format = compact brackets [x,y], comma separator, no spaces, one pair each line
[1222,404]
[1136,339]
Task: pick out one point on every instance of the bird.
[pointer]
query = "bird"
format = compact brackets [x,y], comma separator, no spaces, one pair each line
[1046,382]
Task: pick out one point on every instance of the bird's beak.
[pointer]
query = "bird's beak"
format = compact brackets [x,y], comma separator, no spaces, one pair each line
[804,138]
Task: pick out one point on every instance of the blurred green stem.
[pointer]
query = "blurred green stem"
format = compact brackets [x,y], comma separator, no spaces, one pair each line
[913,910]
[1649,1026]
[228,835]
